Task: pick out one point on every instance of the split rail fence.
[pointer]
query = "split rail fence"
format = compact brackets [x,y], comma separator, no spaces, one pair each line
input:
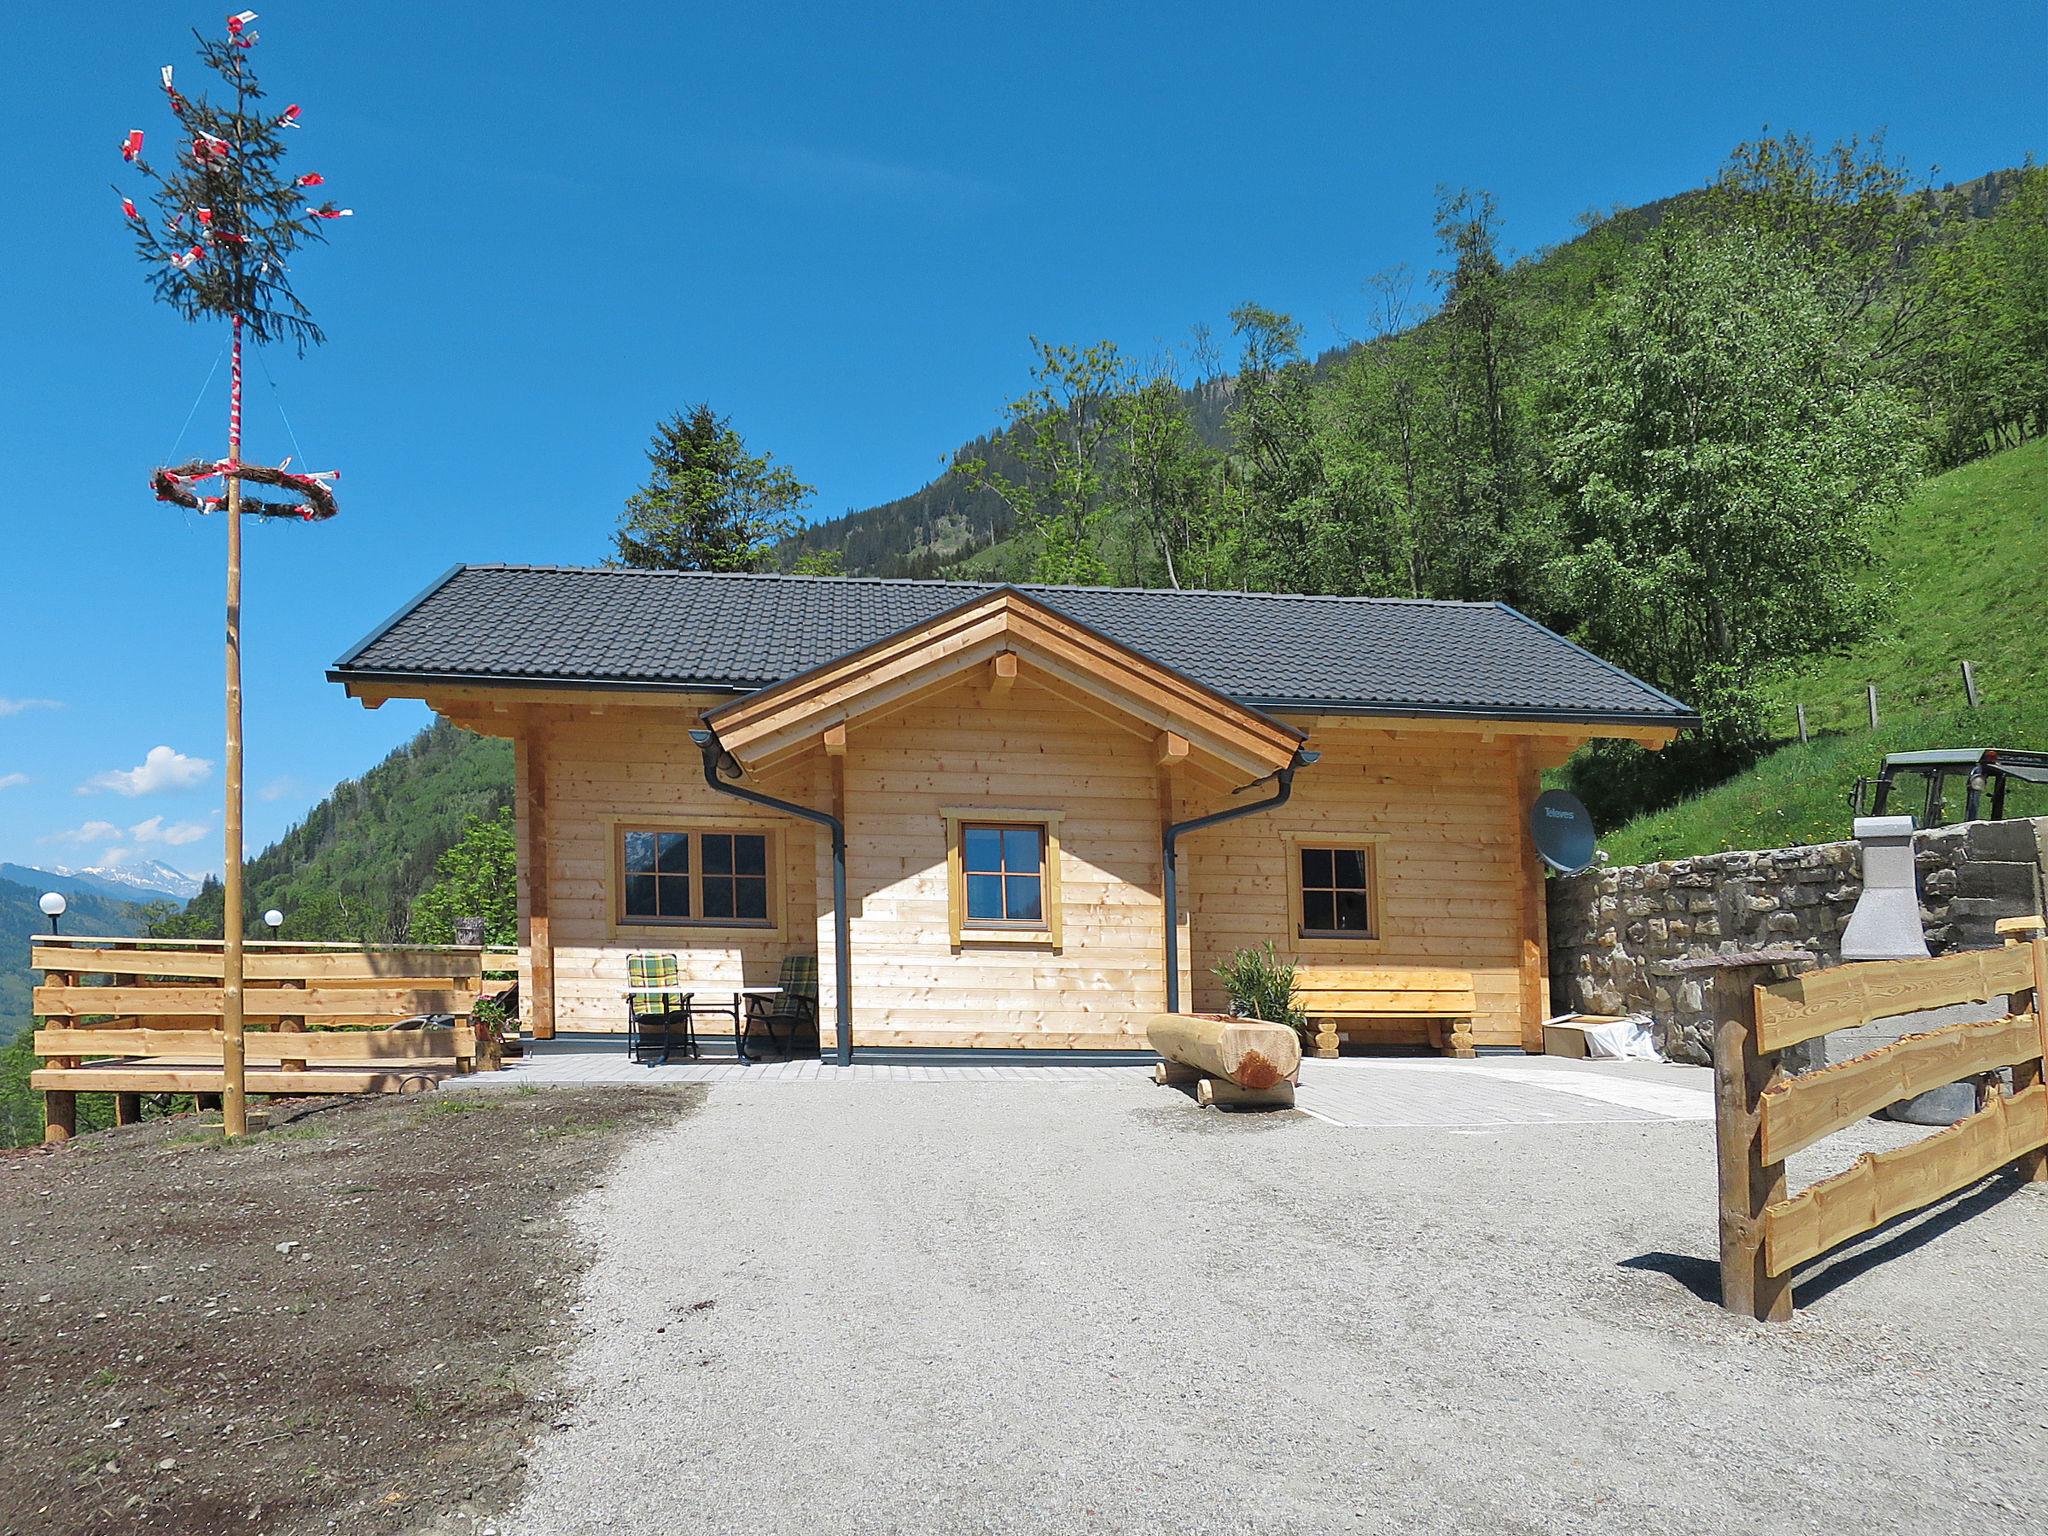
[142,1016]
[1764,1114]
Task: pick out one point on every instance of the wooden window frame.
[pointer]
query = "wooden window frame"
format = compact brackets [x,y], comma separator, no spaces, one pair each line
[965,932]
[618,922]
[1370,846]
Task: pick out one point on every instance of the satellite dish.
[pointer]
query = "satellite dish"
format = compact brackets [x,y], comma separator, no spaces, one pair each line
[1563,831]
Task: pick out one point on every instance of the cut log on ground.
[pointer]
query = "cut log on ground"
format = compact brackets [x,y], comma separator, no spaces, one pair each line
[1220,1093]
[1248,1053]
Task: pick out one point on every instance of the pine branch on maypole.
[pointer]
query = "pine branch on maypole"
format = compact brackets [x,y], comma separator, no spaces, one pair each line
[223,220]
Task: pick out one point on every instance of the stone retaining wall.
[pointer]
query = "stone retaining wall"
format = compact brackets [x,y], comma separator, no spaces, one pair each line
[1610,926]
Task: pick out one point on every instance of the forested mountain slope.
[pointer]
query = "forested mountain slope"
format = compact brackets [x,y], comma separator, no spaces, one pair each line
[351,868]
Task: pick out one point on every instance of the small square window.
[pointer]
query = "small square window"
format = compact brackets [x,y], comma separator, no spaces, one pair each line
[1336,893]
[1004,869]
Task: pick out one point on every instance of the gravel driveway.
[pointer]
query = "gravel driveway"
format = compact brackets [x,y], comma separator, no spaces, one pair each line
[939,1307]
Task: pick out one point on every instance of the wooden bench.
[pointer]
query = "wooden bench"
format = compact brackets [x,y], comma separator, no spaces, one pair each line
[1392,1007]
[130,1017]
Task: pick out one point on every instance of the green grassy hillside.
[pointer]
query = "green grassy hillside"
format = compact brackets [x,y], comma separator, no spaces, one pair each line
[1964,563]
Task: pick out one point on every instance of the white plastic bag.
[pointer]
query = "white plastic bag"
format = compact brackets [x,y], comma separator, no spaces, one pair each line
[1629,1039]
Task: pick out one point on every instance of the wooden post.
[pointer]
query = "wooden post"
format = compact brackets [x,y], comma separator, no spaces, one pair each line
[1970,684]
[60,1115]
[1801,709]
[60,1106]
[1747,1183]
[530,761]
[2033,1168]
[127,1108]
[1870,693]
[234,1100]
[1532,917]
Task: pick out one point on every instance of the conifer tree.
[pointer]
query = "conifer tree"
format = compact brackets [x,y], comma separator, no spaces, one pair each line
[709,504]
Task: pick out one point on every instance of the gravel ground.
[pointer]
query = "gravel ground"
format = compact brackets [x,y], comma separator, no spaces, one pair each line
[1092,1307]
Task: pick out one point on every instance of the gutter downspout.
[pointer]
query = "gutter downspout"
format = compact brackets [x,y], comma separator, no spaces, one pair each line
[842,929]
[1170,864]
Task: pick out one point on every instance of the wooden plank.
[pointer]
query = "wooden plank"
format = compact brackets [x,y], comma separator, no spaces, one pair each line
[1845,996]
[1336,978]
[1317,1002]
[385,1003]
[116,1077]
[1800,1111]
[265,1046]
[113,959]
[1884,1185]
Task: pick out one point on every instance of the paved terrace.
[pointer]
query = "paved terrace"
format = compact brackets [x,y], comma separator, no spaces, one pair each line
[1363,1092]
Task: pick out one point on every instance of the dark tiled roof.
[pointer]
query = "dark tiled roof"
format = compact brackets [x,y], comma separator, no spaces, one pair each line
[675,629]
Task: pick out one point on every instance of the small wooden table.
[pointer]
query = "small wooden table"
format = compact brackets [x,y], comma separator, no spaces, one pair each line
[733,1007]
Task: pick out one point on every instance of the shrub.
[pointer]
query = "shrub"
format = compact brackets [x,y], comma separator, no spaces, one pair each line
[1261,986]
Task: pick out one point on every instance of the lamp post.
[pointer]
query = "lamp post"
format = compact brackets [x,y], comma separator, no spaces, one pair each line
[273,920]
[53,905]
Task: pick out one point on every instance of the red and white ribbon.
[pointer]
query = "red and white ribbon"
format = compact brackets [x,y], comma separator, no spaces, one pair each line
[289,117]
[132,145]
[128,207]
[310,179]
[332,212]
[210,144]
[240,20]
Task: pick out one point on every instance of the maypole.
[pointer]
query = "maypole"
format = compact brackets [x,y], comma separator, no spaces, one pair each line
[229,197]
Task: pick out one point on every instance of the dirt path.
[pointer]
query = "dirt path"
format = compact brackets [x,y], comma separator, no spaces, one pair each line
[962,1307]
[348,1323]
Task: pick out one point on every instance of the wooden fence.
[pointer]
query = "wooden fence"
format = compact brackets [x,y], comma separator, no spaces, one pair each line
[1764,1115]
[136,1016]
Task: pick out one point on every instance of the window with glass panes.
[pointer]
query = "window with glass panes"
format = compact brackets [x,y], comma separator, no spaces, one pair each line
[1004,867]
[1336,891]
[682,876]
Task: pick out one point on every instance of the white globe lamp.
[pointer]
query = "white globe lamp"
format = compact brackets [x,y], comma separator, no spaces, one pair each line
[53,905]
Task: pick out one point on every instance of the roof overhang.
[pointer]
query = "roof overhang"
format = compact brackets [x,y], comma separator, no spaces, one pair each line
[761,729]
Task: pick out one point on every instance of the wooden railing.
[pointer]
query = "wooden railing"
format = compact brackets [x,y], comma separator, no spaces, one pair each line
[1764,1115]
[136,1016]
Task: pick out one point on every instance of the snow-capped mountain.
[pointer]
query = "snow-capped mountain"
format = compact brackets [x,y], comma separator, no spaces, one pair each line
[140,880]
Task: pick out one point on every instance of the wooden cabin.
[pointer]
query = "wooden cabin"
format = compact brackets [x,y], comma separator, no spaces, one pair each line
[1006,781]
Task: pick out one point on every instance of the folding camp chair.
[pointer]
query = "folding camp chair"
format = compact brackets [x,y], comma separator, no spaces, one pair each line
[657,1009]
[793,1010]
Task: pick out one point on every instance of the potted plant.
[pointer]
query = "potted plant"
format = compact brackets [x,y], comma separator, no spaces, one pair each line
[487,1015]
[1261,986]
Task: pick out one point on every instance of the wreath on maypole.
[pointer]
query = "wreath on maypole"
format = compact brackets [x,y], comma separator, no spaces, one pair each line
[175,484]
[223,222]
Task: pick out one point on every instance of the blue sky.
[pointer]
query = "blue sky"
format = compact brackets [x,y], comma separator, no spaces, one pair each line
[838,223]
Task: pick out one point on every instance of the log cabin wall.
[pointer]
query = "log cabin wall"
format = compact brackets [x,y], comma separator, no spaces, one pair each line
[638,766]
[1026,750]
[1439,811]
[1438,808]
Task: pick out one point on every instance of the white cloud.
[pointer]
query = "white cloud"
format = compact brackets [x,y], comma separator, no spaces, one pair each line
[12,780]
[176,835]
[16,706]
[91,832]
[162,769]
[277,789]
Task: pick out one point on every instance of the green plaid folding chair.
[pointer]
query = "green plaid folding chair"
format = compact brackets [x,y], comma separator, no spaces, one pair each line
[794,1011]
[657,1009]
